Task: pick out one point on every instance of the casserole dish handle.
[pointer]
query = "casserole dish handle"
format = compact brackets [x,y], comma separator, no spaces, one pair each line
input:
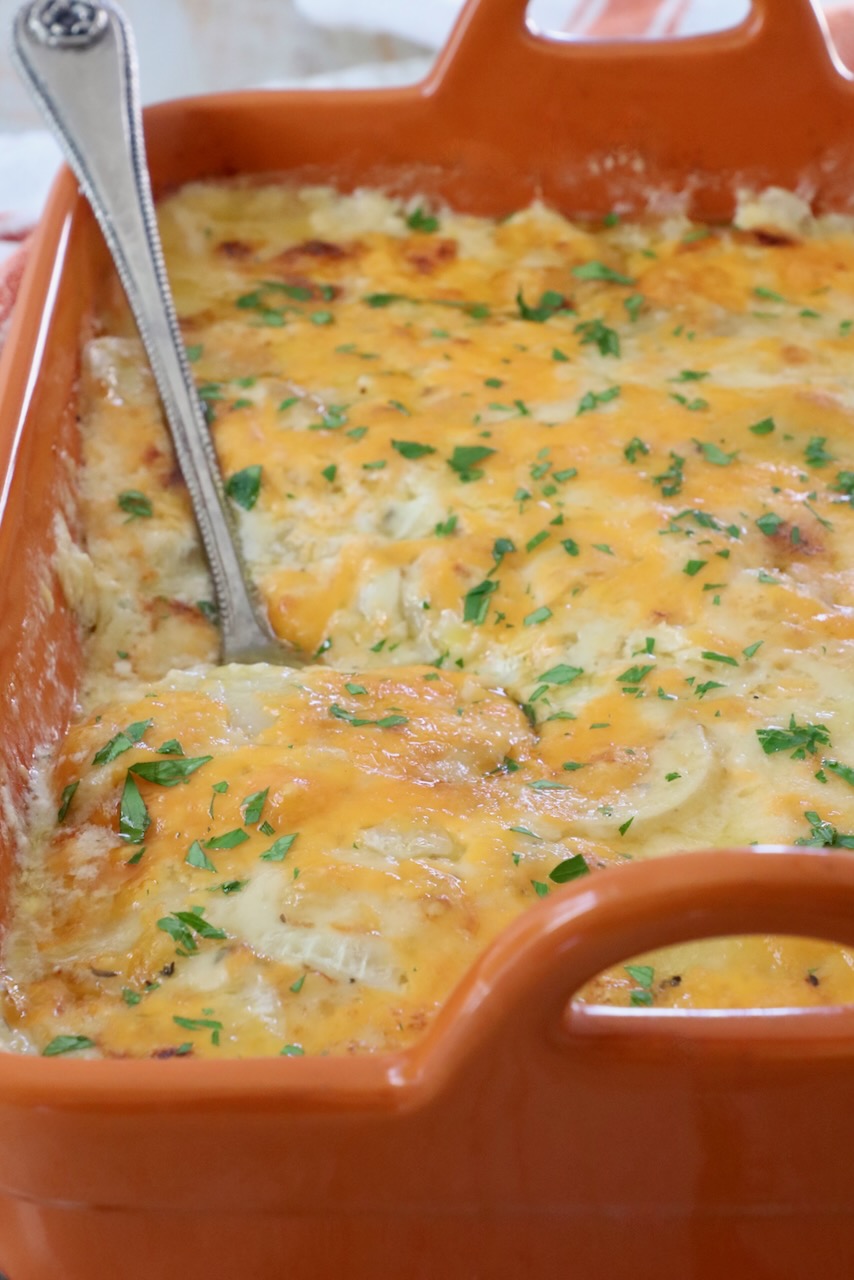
[523,986]
[617,124]
[778,38]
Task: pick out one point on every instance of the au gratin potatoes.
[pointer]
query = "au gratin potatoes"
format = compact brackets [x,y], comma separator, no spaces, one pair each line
[563,511]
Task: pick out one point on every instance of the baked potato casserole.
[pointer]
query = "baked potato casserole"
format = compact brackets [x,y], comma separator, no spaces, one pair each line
[563,513]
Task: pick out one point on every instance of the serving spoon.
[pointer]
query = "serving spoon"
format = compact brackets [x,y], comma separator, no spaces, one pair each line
[78,60]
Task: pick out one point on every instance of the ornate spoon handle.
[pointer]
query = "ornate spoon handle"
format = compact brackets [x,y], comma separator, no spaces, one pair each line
[79,61]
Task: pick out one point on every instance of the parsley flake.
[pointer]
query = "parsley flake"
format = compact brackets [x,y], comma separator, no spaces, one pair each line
[712,453]
[65,799]
[279,848]
[412,449]
[465,458]
[66,1044]
[592,399]
[244,486]
[135,504]
[196,857]
[550,303]
[570,869]
[599,271]
[476,601]
[229,840]
[800,739]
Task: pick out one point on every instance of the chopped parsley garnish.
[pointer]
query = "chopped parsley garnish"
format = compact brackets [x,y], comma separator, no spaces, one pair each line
[799,739]
[570,869]
[695,405]
[560,356]
[229,886]
[229,840]
[763,427]
[292,1051]
[693,567]
[134,818]
[570,546]
[672,479]
[446,527]
[711,656]
[768,295]
[624,826]
[171,748]
[244,486]
[592,399]
[465,458]
[769,523]
[752,648]
[208,610]
[65,799]
[712,453]
[561,674]
[297,986]
[279,848]
[501,547]
[546,784]
[550,303]
[168,773]
[634,675]
[824,834]
[385,299]
[644,976]
[843,771]
[122,742]
[135,504]
[690,375]
[196,857]
[199,1024]
[181,926]
[350,717]
[418,220]
[329,473]
[412,449]
[597,333]
[218,789]
[539,615]
[253,806]
[476,601]
[635,447]
[598,271]
[66,1044]
[634,305]
[815,453]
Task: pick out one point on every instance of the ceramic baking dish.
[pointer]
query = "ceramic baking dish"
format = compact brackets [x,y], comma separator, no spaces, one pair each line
[520,1137]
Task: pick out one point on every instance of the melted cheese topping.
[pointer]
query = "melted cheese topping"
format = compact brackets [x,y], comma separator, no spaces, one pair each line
[575,506]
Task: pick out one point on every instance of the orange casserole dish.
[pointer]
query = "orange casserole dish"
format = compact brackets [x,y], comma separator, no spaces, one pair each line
[515,1134]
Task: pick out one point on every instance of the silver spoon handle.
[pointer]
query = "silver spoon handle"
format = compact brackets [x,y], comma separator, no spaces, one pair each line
[80,63]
